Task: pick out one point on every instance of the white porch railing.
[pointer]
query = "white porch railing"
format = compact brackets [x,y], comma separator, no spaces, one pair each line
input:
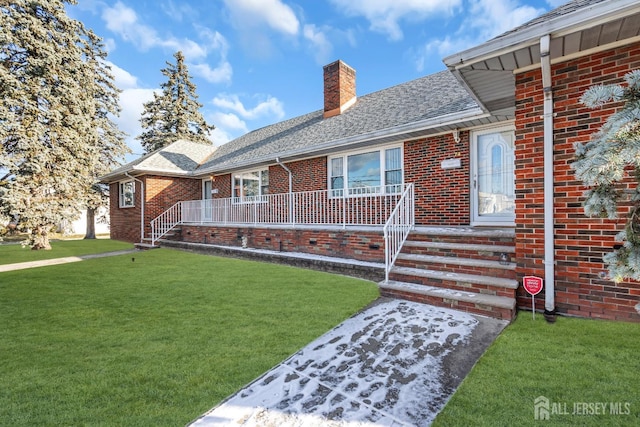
[165,222]
[369,206]
[397,228]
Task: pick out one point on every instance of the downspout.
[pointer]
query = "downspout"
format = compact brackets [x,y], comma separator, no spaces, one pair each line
[549,243]
[283,166]
[141,205]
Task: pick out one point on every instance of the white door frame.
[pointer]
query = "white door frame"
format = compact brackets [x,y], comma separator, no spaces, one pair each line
[207,213]
[501,219]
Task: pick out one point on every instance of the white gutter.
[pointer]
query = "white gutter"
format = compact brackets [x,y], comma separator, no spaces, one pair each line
[141,205]
[549,255]
[283,166]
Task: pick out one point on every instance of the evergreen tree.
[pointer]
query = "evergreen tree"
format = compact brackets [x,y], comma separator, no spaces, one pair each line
[611,156]
[56,133]
[175,113]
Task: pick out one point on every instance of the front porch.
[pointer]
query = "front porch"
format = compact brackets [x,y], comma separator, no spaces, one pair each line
[371,236]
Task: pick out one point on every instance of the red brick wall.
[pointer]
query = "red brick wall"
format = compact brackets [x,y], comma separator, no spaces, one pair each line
[223,184]
[124,223]
[354,244]
[307,175]
[441,195]
[580,242]
[160,194]
[163,192]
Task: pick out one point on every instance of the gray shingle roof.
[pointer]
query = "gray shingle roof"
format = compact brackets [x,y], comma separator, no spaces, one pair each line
[178,158]
[422,99]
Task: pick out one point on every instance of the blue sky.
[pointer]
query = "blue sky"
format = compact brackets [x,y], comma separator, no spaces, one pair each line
[257,62]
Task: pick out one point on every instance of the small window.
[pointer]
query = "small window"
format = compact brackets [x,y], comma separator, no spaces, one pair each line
[393,170]
[127,194]
[362,173]
[337,177]
[250,186]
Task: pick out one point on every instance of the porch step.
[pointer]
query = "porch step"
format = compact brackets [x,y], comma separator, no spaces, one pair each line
[465,235]
[459,281]
[458,263]
[473,302]
[457,267]
[145,245]
[462,250]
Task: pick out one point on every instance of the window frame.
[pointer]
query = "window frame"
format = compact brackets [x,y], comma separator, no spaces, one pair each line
[121,194]
[383,188]
[260,197]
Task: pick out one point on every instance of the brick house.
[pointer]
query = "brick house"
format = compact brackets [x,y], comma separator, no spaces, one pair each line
[458,182]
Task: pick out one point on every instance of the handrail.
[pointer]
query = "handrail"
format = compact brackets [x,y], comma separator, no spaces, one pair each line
[165,222]
[367,206]
[397,229]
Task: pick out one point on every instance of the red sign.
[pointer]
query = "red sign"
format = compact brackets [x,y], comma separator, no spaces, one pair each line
[532,284]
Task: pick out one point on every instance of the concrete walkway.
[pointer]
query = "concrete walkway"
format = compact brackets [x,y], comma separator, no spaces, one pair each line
[396,363]
[56,261]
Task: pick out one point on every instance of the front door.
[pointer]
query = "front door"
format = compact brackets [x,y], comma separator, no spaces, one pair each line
[493,180]
[207,207]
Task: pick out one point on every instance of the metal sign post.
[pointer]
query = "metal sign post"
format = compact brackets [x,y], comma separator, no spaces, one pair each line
[533,285]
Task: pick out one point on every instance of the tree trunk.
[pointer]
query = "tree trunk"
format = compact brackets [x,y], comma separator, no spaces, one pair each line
[40,238]
[91,224]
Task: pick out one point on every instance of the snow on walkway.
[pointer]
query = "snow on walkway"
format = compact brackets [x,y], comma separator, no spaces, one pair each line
[382,367]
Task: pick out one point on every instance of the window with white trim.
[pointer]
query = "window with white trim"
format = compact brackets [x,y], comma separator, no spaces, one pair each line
[127,193]
[366,172]
[250,186]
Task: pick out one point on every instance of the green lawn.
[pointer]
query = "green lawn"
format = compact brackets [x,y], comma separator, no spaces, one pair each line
[12,253]
[157,340]
[577,362]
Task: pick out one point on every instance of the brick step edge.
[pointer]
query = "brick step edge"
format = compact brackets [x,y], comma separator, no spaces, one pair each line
[460,246]
[433,291]
[456,277]
[467,262]
[506,233]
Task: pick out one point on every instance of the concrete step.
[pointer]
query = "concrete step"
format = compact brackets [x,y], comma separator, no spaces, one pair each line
[468,262]
[446,276]
[464,235]
[500,307]
[465,231]
[144,245]
[461,247]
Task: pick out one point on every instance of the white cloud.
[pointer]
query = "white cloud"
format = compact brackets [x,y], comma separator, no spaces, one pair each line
[221,74]
[131,102]
[123,79]
[493,17]
[484,20]
[258,13]
[320,44]
[228,127]
[384,16]
[123,21]
[271,107]
[179,12]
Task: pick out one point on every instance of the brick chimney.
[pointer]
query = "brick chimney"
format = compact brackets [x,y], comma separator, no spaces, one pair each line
[339,88]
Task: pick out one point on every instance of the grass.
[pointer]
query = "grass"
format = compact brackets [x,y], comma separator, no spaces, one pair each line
[155,341]
[572,361]
[13,253]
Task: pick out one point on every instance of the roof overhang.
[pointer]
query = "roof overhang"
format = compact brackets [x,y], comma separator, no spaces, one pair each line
[488,70]
[120,175]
